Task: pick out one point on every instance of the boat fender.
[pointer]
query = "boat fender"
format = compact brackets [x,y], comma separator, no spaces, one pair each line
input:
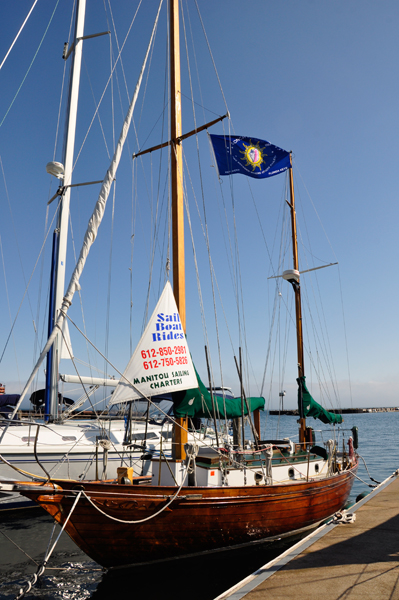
[78,488]
[363,495]
[125,481]
[355,435]
[258,476]
[147,456]
[320,451]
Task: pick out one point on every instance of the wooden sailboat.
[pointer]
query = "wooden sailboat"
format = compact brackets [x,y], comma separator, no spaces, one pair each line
[211,500]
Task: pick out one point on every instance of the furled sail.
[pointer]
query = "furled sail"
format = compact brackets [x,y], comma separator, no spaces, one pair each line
[310,408]
[197,402]
[161,361]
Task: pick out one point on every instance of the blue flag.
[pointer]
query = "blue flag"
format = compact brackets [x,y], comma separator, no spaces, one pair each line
[249,156]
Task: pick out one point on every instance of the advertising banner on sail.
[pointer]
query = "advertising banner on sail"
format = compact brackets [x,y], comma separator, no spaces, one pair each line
[161,361]
[248,156]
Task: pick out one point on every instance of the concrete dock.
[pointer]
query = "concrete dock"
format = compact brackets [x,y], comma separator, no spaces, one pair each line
[351,561]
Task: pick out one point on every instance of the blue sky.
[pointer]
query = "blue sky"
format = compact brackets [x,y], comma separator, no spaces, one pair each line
[317,78]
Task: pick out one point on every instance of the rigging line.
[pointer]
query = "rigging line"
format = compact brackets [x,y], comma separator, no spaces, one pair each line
[133,182]
[148,399]
[117,43]
[131,290]
[285,236]
[107,323]
[240,295]
[50,187]
[15,236]
[196,65]
[154,232]
[325,347]
[260,225]
[106,86]
[81,383]
[26,289]
[188,214]
[306,349]
[40,287]
[228,246]
[51,182]
[205,217]
[146,84]
[121,63]
[276,303]
[30,66]
[213,270]
[204,108]
[135,130]
[62,86]
[211,55]
[239,288]
[80,294]
[150,193]
[8,302]
[322,342]
[149,187]
[345,337]
[232,273]
[19,547]
[213,274]
[269,253]
[94,101]
[314,208]
[18,34]
[43,564]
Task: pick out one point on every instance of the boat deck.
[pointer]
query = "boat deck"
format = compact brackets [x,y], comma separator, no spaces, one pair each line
[352,561]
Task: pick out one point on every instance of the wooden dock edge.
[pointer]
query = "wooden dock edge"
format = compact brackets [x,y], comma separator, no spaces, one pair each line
[241,589]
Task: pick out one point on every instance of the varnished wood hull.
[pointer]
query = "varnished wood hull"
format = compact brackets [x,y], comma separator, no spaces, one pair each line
[198,520]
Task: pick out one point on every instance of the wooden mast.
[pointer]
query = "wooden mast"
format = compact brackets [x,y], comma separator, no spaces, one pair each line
[298,307]
[180,436]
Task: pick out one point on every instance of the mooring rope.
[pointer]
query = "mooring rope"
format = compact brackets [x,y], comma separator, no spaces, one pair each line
[364,462]
[43,564]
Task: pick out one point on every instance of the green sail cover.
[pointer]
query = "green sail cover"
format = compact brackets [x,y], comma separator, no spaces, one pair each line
[197,402]
[310,408]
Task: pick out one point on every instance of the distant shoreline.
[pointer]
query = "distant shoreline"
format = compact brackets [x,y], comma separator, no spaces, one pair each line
[340,411]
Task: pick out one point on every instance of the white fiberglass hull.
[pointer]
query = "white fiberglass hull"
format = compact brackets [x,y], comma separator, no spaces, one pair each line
[76,450]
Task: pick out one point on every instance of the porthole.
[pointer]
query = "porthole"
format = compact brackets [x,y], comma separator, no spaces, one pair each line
[316,467]
[291,473]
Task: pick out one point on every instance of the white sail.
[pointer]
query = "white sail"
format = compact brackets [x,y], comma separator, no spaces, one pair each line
[161,362]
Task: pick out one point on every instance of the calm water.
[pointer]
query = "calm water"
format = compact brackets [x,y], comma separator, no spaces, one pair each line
[74,576]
